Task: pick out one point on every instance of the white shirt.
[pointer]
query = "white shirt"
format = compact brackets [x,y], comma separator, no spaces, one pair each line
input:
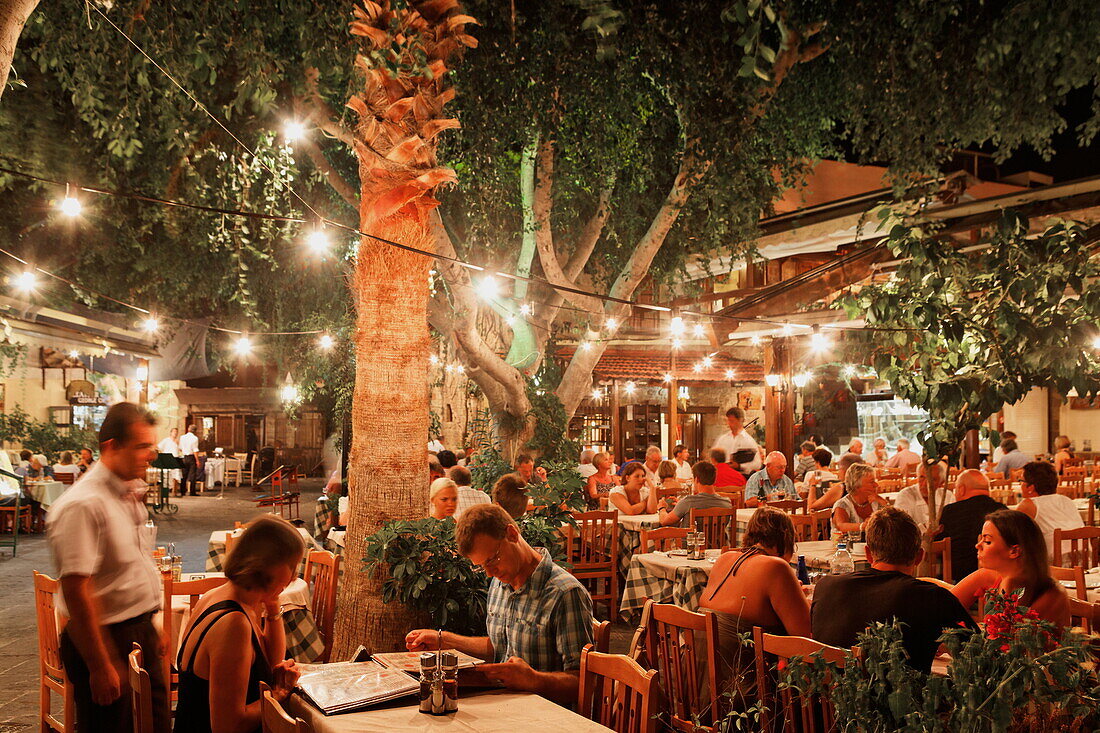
[189,444]
[8,485]
[731,443]
[1056,511]
[586,470]
[621,491]
[683,471]
[170,446]
[97,529]
[468,497]
[913,503]
[434,445]
[651,478]
[62,468]
[998,454]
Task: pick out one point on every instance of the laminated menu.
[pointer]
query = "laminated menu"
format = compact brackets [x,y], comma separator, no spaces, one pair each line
[341,687]
[410,661]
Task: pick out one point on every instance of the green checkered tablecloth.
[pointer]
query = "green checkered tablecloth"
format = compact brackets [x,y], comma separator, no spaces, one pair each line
[664,579]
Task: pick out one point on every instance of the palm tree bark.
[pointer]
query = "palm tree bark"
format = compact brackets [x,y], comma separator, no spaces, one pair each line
[13,16]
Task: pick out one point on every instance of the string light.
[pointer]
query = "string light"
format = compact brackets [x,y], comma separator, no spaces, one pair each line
[318,242]
[525,309]
[611,324]
[755,341]
[1096,343]
[677,343]
[667,378]
[141,373]
[25,281]
[586,345]
[293,130]
[707,362]
[629,387]
[74,354]
[596,394]
[729,374]
[150,324]
[699,331]
[488,288]
[290,393]
[460,369]
[787,330]
[242,346]
[449,368]
[849,371]
[70,206]
[326,342]
[697,367]
[676,326]
[818,340]
[433,359]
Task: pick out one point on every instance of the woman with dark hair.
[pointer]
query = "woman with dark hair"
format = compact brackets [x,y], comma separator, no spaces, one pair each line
[755,586]
[1012,556]
[225,652]
[634,496]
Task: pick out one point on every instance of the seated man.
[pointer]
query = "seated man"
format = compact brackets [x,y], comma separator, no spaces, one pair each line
[725,475]
[805,460]
[508,493]
[845,605]
[525,467]
[770,482]
[703,497]
[9,487]
[1045,505]
[1013,459]
[467,496]
[913,500]
[539,617]
[963,519]
[904,458]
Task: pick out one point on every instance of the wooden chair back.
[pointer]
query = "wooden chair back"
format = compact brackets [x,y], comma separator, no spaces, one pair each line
[662,538]
[52,679]
[1090,518]
[1084,615]
[1076,471]
[993,475]
[736,497]
[601,636]
[274,719]
[141,693]
[813,526]
[941,560]
[322,575]
[996,484]
[1016,474]
[1074,575]
[231,539]
[791,506]
[887,485]
[1084,547]
[1074,488]
[1005,496]
[65,477]
[784,708]
[670,493]
[616,692]
[593,550]
[718,525]
[683,647]
[192,589]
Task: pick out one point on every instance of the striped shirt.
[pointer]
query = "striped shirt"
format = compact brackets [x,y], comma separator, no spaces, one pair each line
[546,622]
[468,497]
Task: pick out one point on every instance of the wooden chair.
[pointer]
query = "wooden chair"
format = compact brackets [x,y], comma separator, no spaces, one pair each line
[1005,496]
[593,550]
[813,526]
[1016,474]
[322,575]
[805,713]
[998,484]
[1076,471]
[601,636]
[791,506]
[663,493]
[1075,575]
[192,589]
[1090,516]
[52,678]
[1074,488]
[662,538]
[616,692]
[1084,615]
[887,485]
[274,718]
[676,640]
[718,525]
[231,541]
[232,472]
[994,475]
[248,470]
[141,693]
[1084,547]
[65,477]
[940,560]
[735,496]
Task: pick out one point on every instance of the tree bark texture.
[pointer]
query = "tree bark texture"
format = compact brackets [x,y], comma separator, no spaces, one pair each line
[13,16]
[400,114]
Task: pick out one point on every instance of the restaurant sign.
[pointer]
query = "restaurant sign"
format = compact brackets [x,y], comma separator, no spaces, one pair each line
[82,392]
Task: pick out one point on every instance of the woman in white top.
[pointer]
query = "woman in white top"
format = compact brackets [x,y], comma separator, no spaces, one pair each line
[633,497]
[66,465]
[1045,505]
[879,455]
[862,500]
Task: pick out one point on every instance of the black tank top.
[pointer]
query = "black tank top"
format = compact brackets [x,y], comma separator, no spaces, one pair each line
[193,708]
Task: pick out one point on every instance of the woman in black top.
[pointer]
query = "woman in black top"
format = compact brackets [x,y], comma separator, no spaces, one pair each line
[227,649]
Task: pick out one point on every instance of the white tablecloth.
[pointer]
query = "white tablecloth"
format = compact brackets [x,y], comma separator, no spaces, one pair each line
[46,492]
[637,522]
[484,712]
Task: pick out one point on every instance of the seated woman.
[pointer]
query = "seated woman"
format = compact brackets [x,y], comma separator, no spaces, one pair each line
[666,474]
[860,501]
[755,586]
[1063,456]
[225,651]
[600,483]
[821,485]
[634,496]
[66,465]
[1012,556]
[879,454]
[442,498]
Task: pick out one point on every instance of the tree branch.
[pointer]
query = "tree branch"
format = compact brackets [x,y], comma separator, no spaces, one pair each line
[591,233]
[323,114]
[347,190]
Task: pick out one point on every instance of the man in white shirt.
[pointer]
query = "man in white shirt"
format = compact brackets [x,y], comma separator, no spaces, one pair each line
[651,463]
[189,447]
[999,451]
[585,467]
[683,465]
[904,458]
[913,500]
[737,439]
[9,487]
[110,588]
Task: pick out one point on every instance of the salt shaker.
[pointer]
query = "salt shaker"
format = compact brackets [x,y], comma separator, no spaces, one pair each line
[427,676]
[449,664]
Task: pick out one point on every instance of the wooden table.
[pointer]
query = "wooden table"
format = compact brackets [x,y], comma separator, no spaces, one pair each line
[484,712]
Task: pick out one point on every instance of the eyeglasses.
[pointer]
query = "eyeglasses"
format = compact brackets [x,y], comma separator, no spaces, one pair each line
[492,561]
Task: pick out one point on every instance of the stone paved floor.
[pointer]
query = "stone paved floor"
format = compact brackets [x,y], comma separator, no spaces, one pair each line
[189,530]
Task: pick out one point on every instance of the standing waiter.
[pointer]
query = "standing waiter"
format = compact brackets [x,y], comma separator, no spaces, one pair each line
[110,588]
[189,448]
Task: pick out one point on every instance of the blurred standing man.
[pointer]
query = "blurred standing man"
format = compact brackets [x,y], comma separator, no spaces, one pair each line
[737,440]
[110,588]
[189,447]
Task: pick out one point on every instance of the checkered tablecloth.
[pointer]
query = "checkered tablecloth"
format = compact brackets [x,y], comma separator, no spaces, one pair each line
[684,588]
[215,550]
[322,520]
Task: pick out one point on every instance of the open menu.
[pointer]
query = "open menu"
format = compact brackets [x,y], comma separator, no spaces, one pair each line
[341,687]
[410,661]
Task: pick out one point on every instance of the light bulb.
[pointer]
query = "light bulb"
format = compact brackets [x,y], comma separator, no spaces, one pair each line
[326,342]
[772,380]
[317,241]
[141,373]
[801,380]
[707,362]
[676,326]
[70,206]
[289,393]
[677,343]
[150,324]
[488,288]
[25,281]
[433,359]
[698,331]
[787,329]
[510,320]
[667,377]
[697,367]
[293,130]
[243,346]
[849,371]
[586,345]
[611,324]
[629,387]
[1096,343]
[460,369]
[525,309]
[74,354]
[596,394]
[819,341]
[729,374]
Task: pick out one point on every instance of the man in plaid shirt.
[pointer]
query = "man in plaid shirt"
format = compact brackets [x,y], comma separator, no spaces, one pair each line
[539,616]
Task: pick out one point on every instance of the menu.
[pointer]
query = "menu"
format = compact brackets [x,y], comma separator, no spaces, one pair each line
[410,661]
[341,687]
